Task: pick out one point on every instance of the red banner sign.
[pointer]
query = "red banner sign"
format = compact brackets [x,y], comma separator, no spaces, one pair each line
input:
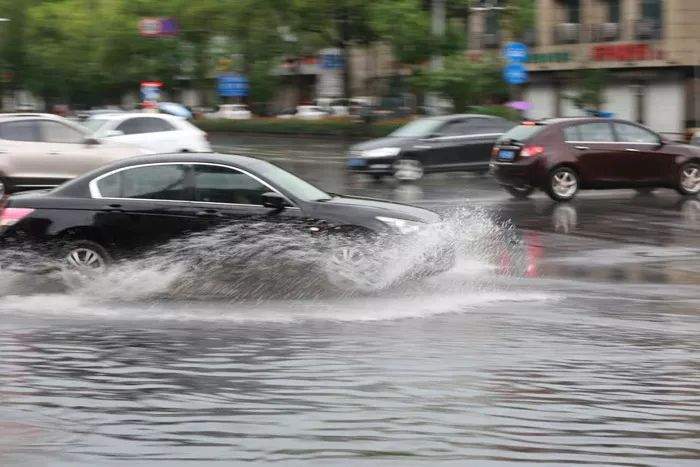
[624,53]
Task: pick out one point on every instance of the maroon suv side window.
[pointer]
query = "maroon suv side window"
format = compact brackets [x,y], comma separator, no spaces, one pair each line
[598,132]
[633,134]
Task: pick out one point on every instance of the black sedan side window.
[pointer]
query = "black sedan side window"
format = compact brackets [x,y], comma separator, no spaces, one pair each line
[215,184]
[166,182]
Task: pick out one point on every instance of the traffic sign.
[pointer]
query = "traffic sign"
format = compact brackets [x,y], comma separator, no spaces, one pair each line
[233,85]
[158,27]
[515,73]
[515,52]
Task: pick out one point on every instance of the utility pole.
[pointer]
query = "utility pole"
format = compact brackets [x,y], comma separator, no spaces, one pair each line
[438,29]
[4,81]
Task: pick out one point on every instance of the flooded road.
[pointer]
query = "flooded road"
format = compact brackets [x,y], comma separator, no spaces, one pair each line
[586,353]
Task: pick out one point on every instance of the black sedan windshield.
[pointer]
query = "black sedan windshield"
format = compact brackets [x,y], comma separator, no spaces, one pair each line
[293,184]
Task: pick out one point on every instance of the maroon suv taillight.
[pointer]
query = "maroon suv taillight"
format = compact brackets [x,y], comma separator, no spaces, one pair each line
[531,151]
[10,216]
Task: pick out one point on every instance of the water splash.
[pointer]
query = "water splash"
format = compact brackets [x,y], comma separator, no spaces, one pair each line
[264,261]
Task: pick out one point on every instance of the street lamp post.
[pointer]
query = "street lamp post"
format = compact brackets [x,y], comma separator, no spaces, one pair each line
[2,90]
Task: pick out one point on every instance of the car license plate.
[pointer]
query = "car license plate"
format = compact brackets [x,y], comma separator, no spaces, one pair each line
[506,155]
[357,162]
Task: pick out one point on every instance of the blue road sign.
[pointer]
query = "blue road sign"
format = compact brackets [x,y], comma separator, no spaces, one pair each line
[332,62]
[233,85]
[515,73]
[515,52]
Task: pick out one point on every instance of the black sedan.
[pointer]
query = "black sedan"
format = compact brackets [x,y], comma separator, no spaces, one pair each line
[435,144]
[120,210]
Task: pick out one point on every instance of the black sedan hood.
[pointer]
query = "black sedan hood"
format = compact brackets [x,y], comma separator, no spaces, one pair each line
[387,142]
[354,210]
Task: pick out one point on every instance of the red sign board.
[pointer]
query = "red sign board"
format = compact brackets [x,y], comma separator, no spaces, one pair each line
[624,53]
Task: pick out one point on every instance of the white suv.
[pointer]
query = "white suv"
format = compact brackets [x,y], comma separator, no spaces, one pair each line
[43,151]
[160,133]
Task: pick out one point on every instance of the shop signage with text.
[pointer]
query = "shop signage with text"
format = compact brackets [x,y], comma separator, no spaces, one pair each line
[624,53]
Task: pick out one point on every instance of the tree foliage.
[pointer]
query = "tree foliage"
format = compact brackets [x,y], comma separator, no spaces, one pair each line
[589,93]
[467,83]
[90,52]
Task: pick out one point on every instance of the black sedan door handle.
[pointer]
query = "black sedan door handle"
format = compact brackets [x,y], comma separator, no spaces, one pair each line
[208,213]
[582,148]
[115,207]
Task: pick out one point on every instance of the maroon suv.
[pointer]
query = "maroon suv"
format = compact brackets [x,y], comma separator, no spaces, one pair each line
[562,156]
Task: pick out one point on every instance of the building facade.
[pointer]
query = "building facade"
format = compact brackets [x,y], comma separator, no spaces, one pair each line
[650,49]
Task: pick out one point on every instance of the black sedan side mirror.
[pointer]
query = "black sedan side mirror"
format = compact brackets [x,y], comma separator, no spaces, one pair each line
[274,201]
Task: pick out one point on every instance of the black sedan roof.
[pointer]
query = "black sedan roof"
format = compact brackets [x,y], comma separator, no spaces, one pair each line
[79,186]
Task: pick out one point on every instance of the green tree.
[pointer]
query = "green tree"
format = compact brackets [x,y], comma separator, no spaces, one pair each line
[590,90]
[519,18]
[334,23]
[467,83]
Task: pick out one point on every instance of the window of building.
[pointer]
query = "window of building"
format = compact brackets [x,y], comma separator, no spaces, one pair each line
[651,9]
[572,11]
[613,11]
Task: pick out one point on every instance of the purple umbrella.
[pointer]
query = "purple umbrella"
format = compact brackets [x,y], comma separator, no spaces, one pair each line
[519,105]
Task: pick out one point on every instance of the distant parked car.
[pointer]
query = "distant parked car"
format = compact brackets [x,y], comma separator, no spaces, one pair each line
[231,112]
[562,156]
[337,107]
[83,115]
[43,151]
[160,133]
[306,112]
[436,144]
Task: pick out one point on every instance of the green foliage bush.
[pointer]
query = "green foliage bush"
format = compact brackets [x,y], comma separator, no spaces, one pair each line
[324,127]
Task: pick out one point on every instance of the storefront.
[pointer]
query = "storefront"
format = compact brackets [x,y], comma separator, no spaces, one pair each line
[640,85]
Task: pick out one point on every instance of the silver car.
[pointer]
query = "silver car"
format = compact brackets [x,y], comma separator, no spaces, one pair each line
[43,151]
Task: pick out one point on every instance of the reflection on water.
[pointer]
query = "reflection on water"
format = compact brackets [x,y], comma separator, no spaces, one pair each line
[497,376]
[564,218]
